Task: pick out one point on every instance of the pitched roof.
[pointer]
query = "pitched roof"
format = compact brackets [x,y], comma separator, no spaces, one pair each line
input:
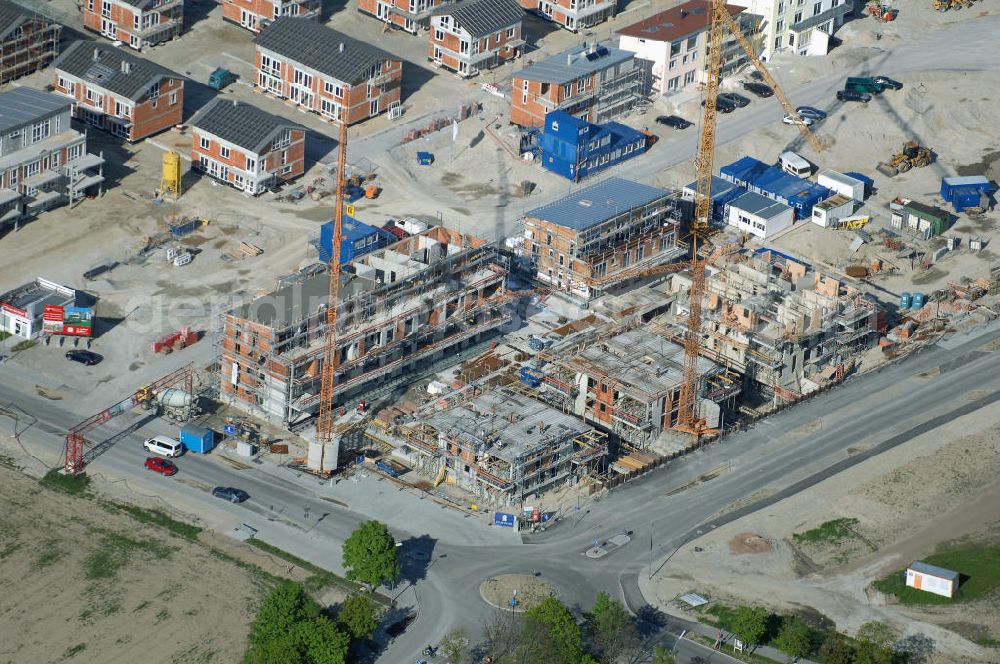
[597,203]
[239,123]
[21,105]
[484,17]
[676,22]
[101,65]
[327,51]
[574,63]
[13,14]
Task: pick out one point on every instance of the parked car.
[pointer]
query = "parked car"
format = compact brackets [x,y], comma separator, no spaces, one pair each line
[889,83]
[759,89]
[811,112]
[853,95]
[231,494]
[737,100]
[723,105]
[789,120]
[83,357]
[674,121]
[162,466]
[756,75]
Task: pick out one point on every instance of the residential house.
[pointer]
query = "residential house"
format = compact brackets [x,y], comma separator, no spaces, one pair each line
[138,23]
[325,71]
[803,27]
[675,42]
[592,82]
[573,15]
[475,35]
[28,41]
[43,160]
[599,234]
[408,15]
[245,147]
[255,15]
[125,95]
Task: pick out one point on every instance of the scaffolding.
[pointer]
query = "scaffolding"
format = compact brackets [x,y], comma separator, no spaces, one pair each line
[32,43]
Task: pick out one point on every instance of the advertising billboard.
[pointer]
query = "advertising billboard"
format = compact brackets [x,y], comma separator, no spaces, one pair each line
[503,519]
[68,321]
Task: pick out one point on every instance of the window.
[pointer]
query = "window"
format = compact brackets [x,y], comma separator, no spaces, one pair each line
[675,48]
[689,78]
[90,5]
[817,8]
[74,152]
[692,41]
[567,90]
[282,140]
[438,35]
[777,42]
[12,177]
[780,25]
[285,170]
[302,78]
[673,64]
[684,60]
[510,33]
[205,143]
[251,164]
[328,87]
[445,21]
[54,162]
[68,86]
[224,152]
[134,41]
[798,18]
[39,131]
[672,85]
[154,91]
[173,98]
[135,21]
[463,46]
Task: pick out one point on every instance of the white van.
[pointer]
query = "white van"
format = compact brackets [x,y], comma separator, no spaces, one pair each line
[163,446]
[795,164]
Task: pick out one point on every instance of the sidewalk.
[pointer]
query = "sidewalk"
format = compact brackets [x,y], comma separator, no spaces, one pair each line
[727,642]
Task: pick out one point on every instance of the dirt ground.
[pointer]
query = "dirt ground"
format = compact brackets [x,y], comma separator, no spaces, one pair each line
[938,488]
[81,583]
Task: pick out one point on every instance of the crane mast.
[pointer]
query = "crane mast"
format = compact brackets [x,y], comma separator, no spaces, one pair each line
[324,424]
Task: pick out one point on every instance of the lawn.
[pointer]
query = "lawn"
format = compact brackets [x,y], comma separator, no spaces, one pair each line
[829,532]
[978,564]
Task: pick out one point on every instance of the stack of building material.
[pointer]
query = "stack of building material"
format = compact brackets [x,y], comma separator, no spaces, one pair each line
[634,462]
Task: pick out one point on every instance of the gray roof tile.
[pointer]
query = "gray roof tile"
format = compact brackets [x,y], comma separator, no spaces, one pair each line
[239,123]
[316,46]
[574,63]
[484,17]
[21,105]
[597,203]
[101,65]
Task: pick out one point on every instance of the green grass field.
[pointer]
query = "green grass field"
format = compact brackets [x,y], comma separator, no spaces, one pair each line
[979,565]
[829,532]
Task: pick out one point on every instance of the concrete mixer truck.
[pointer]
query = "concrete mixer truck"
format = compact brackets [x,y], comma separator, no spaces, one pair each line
[172,403]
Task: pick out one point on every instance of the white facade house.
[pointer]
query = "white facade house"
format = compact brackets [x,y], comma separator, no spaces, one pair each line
[759,215]
[842,184]
[803,27]
[932,579]
[828,213]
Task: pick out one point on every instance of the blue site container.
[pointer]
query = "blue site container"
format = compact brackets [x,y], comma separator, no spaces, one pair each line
[919,299]
[197,439]
[359,239]
[531,377]
[904,301]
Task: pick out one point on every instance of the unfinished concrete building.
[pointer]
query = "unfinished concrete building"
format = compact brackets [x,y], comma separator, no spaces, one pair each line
[628,381]
[28,41]
[786,327]
[505,445]
[401,307]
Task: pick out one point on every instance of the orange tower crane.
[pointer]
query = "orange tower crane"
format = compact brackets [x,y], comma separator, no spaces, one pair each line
[324,424]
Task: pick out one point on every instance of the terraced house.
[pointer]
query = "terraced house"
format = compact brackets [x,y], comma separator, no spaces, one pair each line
[475,35]
[255,15]
[325,71]
[573,15]
[28,41]
[243,146]
[125,95]
[408,15]
[138,23]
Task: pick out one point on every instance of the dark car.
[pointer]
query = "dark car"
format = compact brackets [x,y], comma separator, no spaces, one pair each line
[760,89]
[162,466]
[230,494]
[811,112]
[853,95]
[889,83]
[674,121]
[756,75]
[83,357]
[737,100]
[723,105]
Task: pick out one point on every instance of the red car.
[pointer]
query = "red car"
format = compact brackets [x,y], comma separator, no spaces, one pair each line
[158,465]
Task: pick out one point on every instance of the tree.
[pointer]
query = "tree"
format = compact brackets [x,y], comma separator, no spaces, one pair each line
[285,606]
[661,655]
[750,624]
[289,629]
[835,650]
[319,641]
[551,634]
[611,629]
[793,640]
[874,643]
[502,634]
[358,616]
[370,555]
[454,646]
[588,659]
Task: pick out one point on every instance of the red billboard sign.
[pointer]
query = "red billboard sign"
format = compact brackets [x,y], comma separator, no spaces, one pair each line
[67,321]
[17,311]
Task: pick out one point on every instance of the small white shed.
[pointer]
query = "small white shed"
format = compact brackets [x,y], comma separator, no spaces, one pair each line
[759,215]
[842,184]
[932,579]
[829,212]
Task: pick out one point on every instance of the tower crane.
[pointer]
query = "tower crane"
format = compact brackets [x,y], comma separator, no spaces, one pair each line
[324,424]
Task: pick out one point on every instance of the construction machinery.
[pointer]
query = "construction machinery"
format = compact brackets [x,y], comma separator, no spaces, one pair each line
[912,154]
[880,11]
[945,5]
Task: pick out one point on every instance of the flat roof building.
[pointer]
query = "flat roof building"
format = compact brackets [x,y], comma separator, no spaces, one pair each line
[22,308]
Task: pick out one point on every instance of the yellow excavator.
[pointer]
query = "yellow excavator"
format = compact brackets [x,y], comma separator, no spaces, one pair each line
[912,154]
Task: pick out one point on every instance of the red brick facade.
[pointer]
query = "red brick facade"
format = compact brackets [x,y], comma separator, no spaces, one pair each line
[323,94]
[255,14]
[573,14]
[397,13]
[531,100]
[252,172]
[459,52]
[160,108]
[138,28]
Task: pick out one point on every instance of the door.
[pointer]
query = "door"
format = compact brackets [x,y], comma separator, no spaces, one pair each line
[373,107]
[108,28]
[248,20]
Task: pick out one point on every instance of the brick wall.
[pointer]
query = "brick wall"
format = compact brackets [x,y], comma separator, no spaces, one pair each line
[148,117]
